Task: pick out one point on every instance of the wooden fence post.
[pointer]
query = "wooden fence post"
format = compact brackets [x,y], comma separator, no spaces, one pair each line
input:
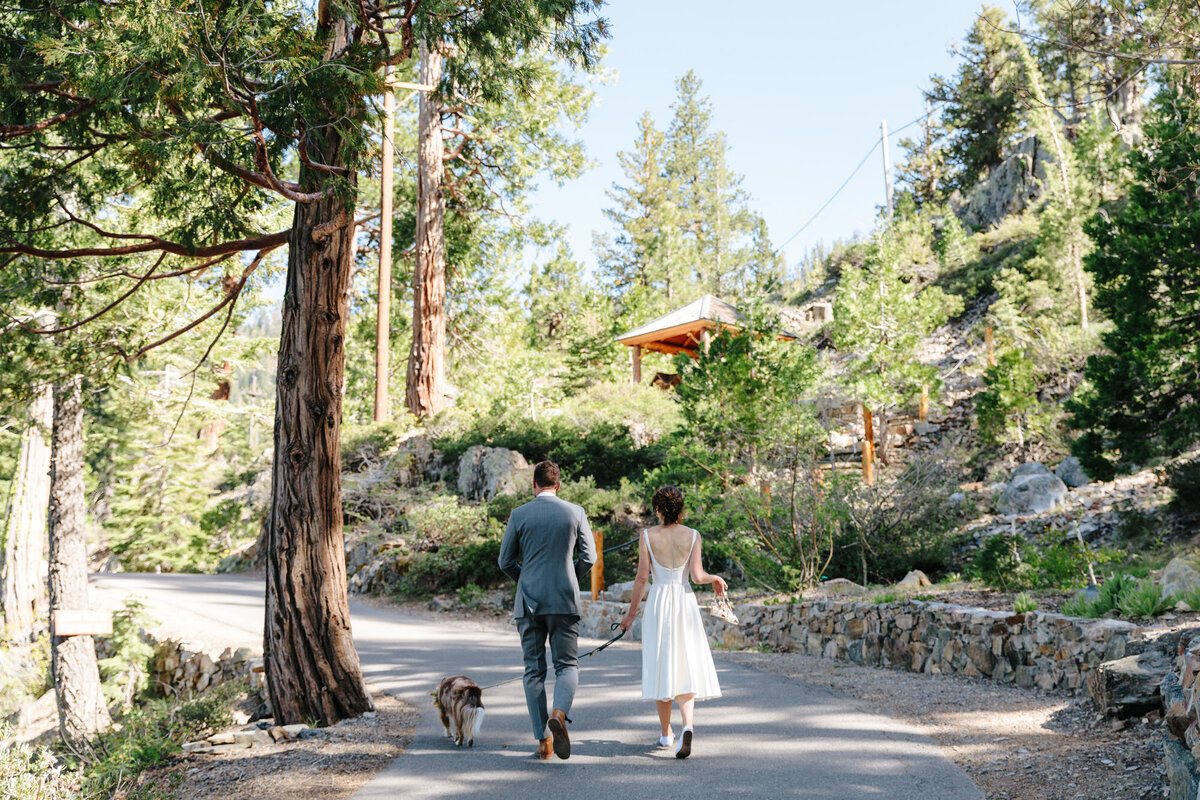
[868,456]
[991,346]
[598,567]
[923,409]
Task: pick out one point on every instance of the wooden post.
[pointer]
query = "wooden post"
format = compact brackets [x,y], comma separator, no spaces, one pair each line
[868,456]
[923,409]
[991,346]
[636,357]
[598,567]
[383,311]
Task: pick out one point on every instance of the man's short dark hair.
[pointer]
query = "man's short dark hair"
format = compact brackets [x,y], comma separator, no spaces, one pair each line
[546,475]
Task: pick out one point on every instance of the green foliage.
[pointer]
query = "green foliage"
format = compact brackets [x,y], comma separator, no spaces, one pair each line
[1191,597]
[682,222]
[1080,607]
[605,450]
[1009,562]
[983,101]
[1139,529]
[1184,480]
[1024,602]
[125,673]
[1000,562]
[470,595]
[742,399]
[1010,392]
[451,567]
[1112,590]
[1137,402]
[882,313]
[1144,601]
[148,735]
[30,772]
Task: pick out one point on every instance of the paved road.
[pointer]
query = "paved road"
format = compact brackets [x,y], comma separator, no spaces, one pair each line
[768,737]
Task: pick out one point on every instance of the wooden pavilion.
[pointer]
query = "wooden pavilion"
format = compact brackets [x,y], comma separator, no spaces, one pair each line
[684,330]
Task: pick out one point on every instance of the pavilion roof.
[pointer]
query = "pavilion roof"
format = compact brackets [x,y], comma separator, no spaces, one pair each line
[682,329]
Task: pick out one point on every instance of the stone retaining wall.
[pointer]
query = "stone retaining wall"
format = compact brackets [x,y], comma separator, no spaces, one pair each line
[1050,651]
[1181,704]
[185,670]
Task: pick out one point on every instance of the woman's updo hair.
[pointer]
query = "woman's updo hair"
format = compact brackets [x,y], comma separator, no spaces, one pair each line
[668,501]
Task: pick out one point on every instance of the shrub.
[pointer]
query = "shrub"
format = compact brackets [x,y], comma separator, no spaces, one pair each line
[1184,480]
[606,451]
[452,567]
[1145,600]
[30,773]
[1080,607]
[363,445]
[1191,597]
[996,562]
[1111,592]
[1139,529]
[1024,602]
[126,672]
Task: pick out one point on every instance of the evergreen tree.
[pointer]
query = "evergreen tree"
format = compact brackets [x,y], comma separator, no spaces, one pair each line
[1139,399]
[982,102]
[882,313]
[725,244]
[643,259]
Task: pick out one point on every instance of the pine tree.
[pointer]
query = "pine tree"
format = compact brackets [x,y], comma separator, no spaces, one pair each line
[1139,398]
[882,313]
[982,106]
[643,259]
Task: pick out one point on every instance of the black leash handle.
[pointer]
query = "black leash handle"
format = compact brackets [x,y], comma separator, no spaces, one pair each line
[591,652]
[611,627]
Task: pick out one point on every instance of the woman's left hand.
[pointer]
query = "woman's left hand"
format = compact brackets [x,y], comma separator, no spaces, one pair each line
[719,585]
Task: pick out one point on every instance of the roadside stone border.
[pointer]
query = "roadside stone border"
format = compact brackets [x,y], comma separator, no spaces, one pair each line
[1052,652]
[187,670]
[1181,735]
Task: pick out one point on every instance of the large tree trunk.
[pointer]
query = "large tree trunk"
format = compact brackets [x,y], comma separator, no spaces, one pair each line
[425,390]
[81,709]
[25,540]
[312,667]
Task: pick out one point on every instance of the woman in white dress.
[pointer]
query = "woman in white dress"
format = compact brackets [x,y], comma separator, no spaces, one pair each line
[676,662]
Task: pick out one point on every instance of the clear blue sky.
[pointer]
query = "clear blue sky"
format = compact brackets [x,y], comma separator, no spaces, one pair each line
[799,88]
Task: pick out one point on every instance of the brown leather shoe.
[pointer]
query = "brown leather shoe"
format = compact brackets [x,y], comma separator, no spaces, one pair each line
[558,729]
[545,748]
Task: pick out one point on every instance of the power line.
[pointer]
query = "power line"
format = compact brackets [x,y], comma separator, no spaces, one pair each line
[846,182]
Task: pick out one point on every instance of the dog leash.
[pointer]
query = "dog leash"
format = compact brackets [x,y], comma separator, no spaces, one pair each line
[591,652]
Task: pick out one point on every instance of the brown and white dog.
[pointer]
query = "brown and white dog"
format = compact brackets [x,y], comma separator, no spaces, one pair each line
[460,700]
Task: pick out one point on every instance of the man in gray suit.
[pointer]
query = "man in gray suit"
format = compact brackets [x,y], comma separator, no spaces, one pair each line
[547,549]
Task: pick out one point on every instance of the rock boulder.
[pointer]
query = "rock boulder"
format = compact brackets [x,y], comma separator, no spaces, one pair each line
[1129,686]
[484,472]
[1178,577]
[1071,472]
[1033,489]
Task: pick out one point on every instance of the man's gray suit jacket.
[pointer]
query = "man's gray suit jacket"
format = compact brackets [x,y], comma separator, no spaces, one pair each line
[547,549]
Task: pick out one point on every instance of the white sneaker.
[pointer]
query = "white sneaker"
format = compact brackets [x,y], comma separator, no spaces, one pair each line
[666,741]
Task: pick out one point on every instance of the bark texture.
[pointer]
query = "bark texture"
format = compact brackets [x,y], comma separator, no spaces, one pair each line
[25,539]
[313,671]
[81,708]
[425,389]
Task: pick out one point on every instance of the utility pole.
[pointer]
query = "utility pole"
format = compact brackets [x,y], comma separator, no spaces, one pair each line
[384,307]
[887,169]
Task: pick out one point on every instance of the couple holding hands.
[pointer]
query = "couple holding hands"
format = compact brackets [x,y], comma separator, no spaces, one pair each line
[547,549]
